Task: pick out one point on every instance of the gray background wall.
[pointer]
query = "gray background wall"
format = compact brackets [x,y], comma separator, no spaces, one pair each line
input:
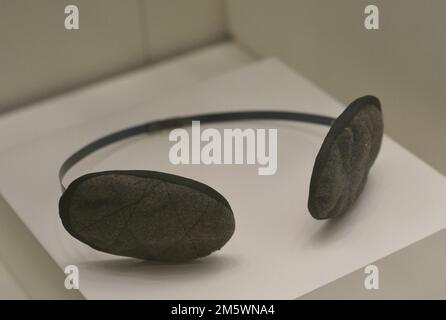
[39,58]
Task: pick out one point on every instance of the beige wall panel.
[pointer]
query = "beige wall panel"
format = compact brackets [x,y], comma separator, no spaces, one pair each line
[38,57]
[174,26]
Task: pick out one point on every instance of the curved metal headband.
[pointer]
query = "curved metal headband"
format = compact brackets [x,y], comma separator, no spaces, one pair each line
[176,122]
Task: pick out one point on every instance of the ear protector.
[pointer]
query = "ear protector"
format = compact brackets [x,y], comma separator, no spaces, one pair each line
[159,216]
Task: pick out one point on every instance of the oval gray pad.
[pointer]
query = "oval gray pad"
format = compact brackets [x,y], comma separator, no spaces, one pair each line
[147,215]
[345,157]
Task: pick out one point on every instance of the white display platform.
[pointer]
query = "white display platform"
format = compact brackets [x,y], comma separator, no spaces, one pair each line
[278,250]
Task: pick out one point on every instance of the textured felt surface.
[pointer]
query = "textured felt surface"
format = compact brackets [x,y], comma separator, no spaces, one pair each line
[147,215]
[344,160]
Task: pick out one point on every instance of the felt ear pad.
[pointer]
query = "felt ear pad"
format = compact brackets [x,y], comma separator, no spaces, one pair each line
[147,215]
[345,157]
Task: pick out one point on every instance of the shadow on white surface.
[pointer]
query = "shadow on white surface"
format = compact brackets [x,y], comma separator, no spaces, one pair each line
[335,229]
[164,270]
